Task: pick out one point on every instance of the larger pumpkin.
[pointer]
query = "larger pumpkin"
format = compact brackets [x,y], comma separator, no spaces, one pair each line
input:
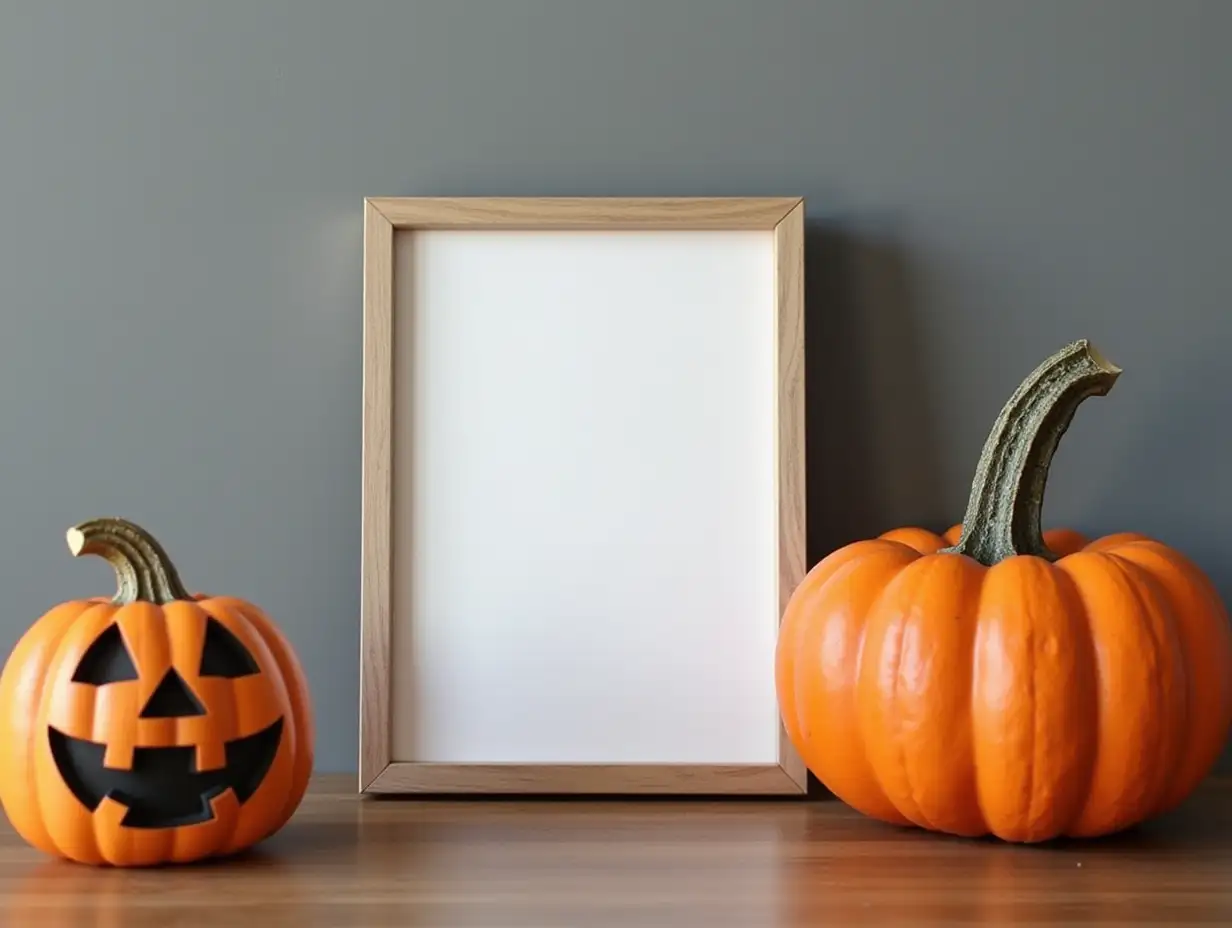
[996,686]
[155,727]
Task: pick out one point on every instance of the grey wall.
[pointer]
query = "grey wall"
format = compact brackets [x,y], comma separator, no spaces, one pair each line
[180,194]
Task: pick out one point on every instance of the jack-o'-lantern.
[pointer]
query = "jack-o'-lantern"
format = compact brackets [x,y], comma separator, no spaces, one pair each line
[158,726]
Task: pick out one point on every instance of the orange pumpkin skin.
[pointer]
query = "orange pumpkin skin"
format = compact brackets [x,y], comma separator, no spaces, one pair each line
[1060,540]
[39,697]
[987,690]
[1026,700]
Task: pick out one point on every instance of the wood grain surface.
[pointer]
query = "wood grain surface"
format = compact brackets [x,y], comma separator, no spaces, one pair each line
[346,860]
[377,493]
[584,212]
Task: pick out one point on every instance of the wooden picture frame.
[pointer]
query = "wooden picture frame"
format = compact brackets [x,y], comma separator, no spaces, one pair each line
[771,232]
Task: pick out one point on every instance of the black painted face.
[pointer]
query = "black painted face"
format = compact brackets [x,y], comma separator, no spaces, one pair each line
[163,788]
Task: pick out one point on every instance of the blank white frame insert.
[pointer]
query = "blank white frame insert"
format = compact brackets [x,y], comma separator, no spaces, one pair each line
[583,493]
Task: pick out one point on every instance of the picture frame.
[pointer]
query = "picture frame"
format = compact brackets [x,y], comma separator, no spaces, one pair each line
[544,378]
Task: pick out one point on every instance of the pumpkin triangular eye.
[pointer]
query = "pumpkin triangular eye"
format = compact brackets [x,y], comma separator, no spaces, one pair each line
[224,655]
[106,660]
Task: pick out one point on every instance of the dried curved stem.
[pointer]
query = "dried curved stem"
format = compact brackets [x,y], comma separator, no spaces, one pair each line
[144,572]
[1003,516]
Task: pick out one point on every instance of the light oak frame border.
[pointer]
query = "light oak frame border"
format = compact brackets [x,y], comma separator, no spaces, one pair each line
[378,771]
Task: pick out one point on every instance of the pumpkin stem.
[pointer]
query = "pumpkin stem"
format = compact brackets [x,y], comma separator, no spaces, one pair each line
[144,573]
[1003,517]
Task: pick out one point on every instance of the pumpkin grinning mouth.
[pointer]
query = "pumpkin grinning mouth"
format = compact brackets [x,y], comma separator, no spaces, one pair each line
[163,788]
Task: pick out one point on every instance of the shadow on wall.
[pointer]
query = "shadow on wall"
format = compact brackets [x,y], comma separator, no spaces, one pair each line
[873,453]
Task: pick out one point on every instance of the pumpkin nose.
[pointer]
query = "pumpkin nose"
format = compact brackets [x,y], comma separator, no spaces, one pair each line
[172,699]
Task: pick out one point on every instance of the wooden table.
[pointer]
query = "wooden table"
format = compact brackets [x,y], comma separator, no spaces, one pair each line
[343,861]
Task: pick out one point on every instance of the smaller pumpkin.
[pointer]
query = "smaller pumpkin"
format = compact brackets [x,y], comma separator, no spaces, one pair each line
[155,727]
[1008,684]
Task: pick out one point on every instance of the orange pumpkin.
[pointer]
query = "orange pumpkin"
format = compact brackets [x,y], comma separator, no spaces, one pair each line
[155,727]
[996,686]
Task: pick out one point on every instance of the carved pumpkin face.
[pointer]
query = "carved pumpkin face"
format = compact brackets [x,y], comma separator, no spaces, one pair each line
[148,732]
[154,724]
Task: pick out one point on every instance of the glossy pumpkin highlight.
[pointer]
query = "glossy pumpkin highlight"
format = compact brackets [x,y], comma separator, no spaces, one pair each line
[1002,685]
[155,727]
